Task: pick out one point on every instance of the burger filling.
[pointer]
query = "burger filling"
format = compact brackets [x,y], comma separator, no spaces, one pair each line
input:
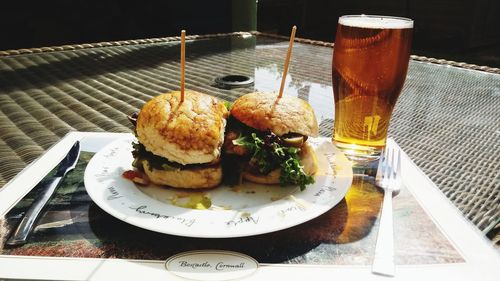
[265,152]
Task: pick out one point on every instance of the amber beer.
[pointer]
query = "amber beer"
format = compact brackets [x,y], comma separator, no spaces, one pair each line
[370,61]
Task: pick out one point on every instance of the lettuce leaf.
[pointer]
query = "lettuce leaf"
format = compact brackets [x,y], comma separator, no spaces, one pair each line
[268,153]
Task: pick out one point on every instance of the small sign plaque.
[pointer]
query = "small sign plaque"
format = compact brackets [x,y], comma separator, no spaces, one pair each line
[211,265]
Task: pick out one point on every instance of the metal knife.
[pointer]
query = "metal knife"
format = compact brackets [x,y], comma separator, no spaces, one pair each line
[20,235]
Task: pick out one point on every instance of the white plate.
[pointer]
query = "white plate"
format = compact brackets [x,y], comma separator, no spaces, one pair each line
[244,210]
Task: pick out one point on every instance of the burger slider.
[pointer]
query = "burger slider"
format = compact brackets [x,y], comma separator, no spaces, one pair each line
[269,137]
[179,143]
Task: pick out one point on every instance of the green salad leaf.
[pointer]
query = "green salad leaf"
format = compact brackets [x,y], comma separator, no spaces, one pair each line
[227,104]
[268,154]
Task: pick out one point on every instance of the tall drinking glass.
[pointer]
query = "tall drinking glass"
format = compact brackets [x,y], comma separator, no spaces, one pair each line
[370,61]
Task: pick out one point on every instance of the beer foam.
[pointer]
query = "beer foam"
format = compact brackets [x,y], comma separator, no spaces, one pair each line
[378,22]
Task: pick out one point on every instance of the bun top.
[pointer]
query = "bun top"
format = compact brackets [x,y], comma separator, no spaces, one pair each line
[285,115]
[190,132]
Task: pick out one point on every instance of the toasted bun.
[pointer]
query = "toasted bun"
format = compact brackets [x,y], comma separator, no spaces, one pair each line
[199,177]
[190,132]
[272,178]
[285,115]
[307,159]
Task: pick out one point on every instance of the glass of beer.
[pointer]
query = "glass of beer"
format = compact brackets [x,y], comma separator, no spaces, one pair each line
[370,61]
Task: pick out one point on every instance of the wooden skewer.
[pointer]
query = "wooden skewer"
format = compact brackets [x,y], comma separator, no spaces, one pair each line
[183,61]
[287,61]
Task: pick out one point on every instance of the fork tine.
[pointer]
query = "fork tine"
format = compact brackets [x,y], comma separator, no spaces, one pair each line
[385,170]
[399,163]
[392,164]
[396,181]
[388,168]
[380,168]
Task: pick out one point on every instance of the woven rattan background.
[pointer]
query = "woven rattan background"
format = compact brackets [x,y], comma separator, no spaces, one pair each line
[447,118]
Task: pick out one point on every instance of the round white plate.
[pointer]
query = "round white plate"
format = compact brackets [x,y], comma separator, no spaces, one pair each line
[244,210]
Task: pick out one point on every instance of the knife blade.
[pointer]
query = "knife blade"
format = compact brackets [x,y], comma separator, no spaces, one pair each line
[25,227]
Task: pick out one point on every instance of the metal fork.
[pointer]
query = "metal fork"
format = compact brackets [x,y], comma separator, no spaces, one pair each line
[389,179]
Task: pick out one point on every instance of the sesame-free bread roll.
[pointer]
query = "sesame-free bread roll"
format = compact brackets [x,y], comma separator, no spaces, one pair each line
[287,114]
[190,132]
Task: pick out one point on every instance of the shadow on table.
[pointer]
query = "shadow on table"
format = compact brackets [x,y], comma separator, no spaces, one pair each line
[75,227]
[116,237]
[347,223]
